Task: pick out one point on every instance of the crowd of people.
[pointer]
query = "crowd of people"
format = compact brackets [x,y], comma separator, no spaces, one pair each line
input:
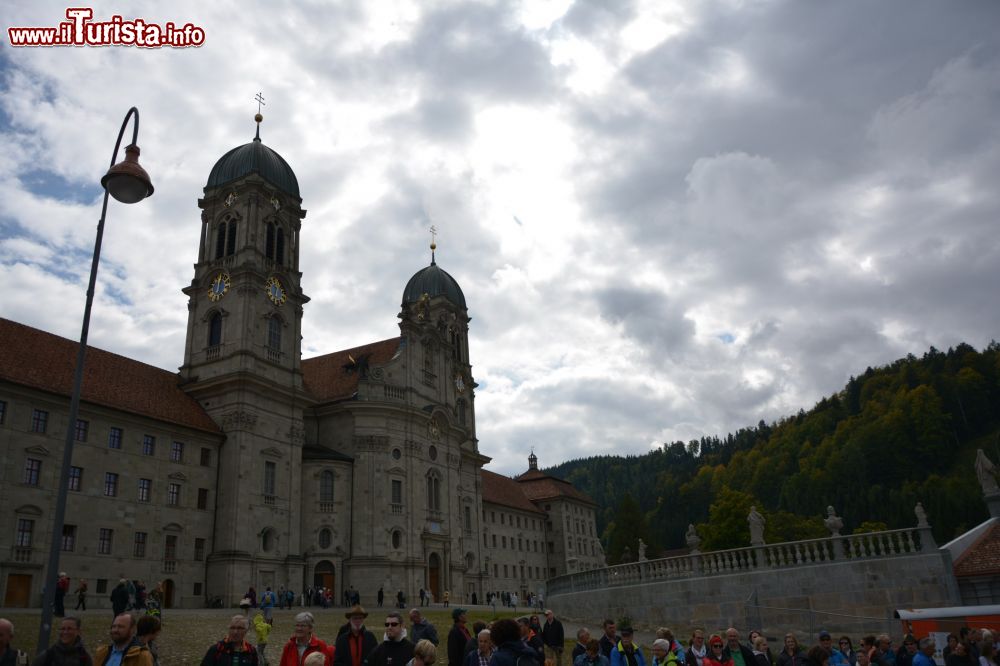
[526,641]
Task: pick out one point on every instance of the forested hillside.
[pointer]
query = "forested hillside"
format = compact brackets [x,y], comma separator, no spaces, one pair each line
[895,435]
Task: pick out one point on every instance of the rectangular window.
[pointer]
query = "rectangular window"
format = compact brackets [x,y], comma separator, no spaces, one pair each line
[115,438]
[197,589]
[110,484]
[552,547]
[25,530]
[520,546]
[397,491]
[148,445]
[3,411]
[486,541]
[203,498]
[39,420]
[173,494]
[468,518]
[494,540]
[270,473]
[145,486]
[496,570]
[69,538]
[503,540]
[199,549]
[104,541]
[177,452]
[139,545]
[170,547]
[501,519]
[493,516]
[102,585]
[81,430]
[505,571]
[75,478]
[206,457]
[32,471]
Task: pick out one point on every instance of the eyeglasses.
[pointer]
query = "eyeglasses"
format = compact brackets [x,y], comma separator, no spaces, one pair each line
[392,624]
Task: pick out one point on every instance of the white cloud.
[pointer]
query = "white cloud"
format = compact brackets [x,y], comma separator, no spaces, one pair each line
[669,219]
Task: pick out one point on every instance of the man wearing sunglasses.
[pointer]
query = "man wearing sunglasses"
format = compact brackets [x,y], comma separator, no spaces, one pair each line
[395,649]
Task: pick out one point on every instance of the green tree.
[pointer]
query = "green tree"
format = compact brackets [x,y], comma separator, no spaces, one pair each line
[627,528]
[727,521]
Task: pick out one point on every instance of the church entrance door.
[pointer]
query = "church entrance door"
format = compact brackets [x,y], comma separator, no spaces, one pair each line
[434,576]
[325,575]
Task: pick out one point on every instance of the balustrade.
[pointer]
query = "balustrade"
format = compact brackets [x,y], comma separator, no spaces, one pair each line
[892,543]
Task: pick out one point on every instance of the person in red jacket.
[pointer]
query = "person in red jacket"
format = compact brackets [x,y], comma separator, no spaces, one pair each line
[303,643]
[717,655]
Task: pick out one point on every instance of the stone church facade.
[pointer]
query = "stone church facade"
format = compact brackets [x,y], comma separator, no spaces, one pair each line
[251,466]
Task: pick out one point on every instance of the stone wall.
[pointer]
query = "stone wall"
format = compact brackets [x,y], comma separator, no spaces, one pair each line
[839,594]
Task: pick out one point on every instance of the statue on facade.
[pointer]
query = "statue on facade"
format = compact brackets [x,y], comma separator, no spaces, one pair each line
[642,550]
[692,538]
[921,515]
[986,472]
[833,522]
[757,523]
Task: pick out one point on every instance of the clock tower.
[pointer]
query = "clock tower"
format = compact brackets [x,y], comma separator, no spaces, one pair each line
[242,363]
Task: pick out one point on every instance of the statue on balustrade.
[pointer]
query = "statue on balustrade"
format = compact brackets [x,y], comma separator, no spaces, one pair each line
[642,550]
[692,538]
[627,556]
[757,523]
[986,472]
[833,522]
[921,515]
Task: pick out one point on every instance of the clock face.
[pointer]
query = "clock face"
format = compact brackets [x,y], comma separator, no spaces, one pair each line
[220,285]
[275,291]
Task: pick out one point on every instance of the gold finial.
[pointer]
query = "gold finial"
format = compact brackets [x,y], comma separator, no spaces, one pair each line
[433,242]
[258,118]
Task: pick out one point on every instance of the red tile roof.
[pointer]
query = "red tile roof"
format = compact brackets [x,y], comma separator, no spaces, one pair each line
[47,362]
[505,491]
[327,378]
[982,558]
[537,486]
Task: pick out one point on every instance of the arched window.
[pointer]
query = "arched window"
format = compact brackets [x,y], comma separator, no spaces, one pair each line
[326,486]
[274,243]
[267,540]
[433,492]
[215,330]
[225,239]
[325,538]
[274,333]
[397,539]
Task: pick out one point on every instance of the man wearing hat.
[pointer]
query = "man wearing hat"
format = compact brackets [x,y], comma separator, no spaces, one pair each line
[458,637]
[355,645]
[627,653]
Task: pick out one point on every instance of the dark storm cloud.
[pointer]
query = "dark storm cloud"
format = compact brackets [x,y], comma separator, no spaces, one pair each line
[649,317]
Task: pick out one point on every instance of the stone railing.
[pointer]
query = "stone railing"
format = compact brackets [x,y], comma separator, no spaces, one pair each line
[767,557]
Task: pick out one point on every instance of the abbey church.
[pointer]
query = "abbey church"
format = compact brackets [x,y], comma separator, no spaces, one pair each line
[254,467]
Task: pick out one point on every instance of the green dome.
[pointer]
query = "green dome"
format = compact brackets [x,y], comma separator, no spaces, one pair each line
[433,281]
[254,157]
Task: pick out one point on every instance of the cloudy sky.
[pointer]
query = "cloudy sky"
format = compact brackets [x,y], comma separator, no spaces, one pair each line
[670,219]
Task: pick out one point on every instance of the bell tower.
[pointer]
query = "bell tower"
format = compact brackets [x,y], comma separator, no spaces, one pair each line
[242,362]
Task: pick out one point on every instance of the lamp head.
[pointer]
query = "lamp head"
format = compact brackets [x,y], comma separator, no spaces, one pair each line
[127,181]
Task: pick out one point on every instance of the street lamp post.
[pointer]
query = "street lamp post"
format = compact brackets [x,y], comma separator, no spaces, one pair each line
[128,183]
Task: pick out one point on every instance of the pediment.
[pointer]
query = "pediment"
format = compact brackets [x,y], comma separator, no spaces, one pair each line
[29,510]
[396,470]
[272,452]
[177,476]
[37,449]
[172,527]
